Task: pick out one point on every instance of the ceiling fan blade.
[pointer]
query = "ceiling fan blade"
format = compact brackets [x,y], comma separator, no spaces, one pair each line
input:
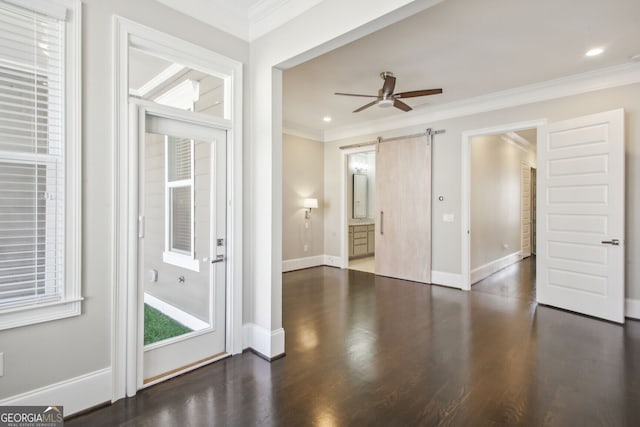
[355,94]
[401,105]
[389,86]
[414,93]
[372,103]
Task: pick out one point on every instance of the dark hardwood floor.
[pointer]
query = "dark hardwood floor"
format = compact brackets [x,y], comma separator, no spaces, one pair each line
[364,350]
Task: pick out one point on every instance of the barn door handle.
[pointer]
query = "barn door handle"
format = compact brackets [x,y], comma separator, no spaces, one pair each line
[381,223]
[614,242]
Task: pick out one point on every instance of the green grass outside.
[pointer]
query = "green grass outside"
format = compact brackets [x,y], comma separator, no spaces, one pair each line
[158,327]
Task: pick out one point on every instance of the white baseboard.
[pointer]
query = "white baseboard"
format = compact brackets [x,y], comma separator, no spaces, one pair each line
[268,343]
[632,308]
[333,261]
[175,313]
[446,279]
[488,269]
[300,263]
[75,394]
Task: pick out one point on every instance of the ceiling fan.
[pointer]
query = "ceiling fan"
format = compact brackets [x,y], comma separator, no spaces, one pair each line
[386,97]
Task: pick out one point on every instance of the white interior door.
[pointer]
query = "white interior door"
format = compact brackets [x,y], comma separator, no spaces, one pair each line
[403,209]
[580,251]
[181,259]
[525,210]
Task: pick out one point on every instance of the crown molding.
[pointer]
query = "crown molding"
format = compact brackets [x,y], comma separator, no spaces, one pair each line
[604,78]
[228,16]
[235,18]
[267,15]
[300,132]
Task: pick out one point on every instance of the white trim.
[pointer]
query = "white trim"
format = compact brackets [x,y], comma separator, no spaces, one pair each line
[489,268]
[632,308]
[333,261]
[180,260]
[56,9]
[442,278]
[175,313]
[311,134]
[267,15]
[75,394]
[465,192]
[182,96]
[604,78]
[157,80]
[124,338]
[300,263]
[268,343]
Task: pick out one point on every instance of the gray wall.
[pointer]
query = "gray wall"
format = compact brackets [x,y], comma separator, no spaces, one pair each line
[39,355]
[302,177]
[447,171]
[495,198]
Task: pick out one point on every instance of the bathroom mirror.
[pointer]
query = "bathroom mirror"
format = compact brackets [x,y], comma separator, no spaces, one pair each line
[359,196]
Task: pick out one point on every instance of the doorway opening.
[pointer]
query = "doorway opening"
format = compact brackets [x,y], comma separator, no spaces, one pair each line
[361,188]
[500,224]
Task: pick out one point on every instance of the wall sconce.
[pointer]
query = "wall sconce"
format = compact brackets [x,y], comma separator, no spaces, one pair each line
[309,204]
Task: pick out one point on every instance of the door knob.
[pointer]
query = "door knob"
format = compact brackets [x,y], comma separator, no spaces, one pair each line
[219,258]
[614,242]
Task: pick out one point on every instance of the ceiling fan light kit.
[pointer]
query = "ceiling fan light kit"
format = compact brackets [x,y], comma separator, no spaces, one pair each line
[386,98]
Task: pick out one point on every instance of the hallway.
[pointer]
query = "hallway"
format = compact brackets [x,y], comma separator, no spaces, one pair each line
[365,350]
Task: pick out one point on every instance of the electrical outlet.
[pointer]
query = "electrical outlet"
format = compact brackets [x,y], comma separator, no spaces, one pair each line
[1,364]
[305,248]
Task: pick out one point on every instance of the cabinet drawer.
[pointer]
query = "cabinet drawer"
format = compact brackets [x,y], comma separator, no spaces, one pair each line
[360,250]
[360,235]
[371,227]
[359,228]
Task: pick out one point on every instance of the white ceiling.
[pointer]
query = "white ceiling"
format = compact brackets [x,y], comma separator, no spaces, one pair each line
[467,47]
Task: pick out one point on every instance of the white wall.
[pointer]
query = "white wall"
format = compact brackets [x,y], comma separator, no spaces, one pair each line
[446,174]
[302,177]
[495,198]
[39,355]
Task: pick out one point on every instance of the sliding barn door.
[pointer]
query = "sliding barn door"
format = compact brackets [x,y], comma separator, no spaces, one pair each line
[403,209]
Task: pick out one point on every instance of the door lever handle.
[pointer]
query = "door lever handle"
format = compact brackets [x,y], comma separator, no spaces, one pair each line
[219,258]
[614,242]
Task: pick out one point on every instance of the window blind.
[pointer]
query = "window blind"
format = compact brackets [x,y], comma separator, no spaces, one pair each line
[31,157]
[180,159]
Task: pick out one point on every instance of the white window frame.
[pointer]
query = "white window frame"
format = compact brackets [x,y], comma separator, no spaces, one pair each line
[171,255]
[69,303]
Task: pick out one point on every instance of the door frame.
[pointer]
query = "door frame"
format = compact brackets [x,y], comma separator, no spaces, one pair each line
[465,213]
[344,220]
[125,194]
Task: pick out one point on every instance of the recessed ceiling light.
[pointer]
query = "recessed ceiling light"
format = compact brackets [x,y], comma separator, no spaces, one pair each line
[635,58]
[327,119]
[595,51]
